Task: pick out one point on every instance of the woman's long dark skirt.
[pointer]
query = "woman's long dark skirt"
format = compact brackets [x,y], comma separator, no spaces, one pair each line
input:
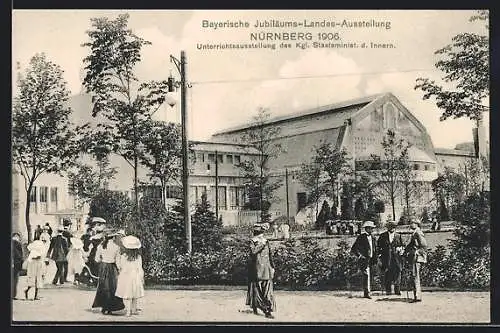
[260,295]
[105,296]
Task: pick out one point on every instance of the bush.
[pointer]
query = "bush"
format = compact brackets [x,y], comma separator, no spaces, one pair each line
[114,207]
[453,270]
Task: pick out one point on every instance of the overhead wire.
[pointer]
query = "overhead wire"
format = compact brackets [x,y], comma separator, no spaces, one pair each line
[309,76]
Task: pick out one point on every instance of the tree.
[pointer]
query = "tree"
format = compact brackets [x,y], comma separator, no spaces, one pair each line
[162,152]
[116,92]
[411,189]
[365,199]
[323,216]
[114,207]
[207,230]
[310,177]
[466,64]
[43,138]
[449,189]
[259,185]
[333,163]
[390,170]
[85,181]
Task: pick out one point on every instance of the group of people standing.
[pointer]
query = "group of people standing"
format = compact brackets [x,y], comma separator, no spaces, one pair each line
[115,257]
[392,253]
[389,248]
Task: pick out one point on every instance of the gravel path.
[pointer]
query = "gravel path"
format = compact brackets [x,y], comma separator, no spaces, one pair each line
[67,303]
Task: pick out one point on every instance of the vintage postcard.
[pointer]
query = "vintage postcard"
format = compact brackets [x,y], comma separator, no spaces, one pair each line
[250,166]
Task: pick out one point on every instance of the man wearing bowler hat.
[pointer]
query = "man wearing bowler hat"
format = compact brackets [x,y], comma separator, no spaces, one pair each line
[390,249]
[416,255]
[365,249]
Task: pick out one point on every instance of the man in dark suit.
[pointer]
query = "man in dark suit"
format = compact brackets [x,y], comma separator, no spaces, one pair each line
[365,249]
[390,249]
[416,255]
[17,262]
[57,251]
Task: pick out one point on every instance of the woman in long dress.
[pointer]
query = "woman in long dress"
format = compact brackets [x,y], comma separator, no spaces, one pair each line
[107,255]
[76,259]
[260,293]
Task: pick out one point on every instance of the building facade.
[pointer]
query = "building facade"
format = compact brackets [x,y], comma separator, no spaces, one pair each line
[357,126]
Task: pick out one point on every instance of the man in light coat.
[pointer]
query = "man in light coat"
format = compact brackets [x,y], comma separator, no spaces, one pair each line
[365,249]
[416,255]
[390,249]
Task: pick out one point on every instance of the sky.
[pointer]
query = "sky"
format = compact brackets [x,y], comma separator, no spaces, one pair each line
[229,85]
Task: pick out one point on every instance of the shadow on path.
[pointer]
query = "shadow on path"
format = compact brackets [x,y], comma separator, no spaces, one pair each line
[388,299]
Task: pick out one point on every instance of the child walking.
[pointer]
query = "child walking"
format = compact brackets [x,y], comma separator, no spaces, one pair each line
[130,286]
[35,268]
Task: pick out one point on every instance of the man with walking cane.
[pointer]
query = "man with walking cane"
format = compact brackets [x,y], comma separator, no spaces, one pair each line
[416,255]
[390,248]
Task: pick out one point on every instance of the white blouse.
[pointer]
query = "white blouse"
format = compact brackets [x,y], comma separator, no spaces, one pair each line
[111,254]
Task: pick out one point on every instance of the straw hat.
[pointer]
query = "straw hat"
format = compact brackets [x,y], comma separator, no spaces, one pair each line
[131,242]
[98,220]
[369,224]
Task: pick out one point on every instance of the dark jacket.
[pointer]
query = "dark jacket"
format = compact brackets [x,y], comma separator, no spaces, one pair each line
[261,265]
[58,248]
[361,247]
[416,250]
[387,251]
[17,255]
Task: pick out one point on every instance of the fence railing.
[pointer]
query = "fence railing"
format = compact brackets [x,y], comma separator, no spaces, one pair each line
[244,217]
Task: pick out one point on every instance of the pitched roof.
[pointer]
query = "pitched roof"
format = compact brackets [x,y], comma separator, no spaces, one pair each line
[454,152]
[342,110]
[223,147]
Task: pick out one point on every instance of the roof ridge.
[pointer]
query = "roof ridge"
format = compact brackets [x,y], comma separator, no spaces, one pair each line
[309,111]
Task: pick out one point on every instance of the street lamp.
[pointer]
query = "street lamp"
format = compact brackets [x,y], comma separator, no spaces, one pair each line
[181,67]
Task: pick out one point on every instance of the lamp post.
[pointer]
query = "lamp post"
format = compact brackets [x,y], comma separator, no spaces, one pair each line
[181,67]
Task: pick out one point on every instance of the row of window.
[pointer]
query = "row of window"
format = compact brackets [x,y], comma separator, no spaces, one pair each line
[221,158]
[42,194]
[373,165]
[229,197]
[43,199]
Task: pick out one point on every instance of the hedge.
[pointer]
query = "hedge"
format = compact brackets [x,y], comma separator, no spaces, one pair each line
[305,264]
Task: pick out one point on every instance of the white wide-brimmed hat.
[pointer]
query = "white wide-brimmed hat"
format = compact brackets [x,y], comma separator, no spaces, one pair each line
[76,243]
[369,224]
[98,220]
[37,245]
[131,242]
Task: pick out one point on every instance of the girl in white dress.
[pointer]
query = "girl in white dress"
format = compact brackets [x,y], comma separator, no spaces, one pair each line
[130,284]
